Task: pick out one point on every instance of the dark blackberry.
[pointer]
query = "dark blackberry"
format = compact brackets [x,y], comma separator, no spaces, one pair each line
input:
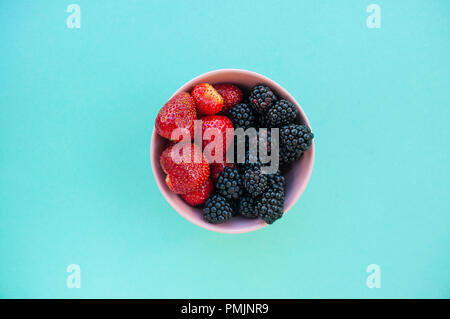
[287,156]
[217,210]
[251,161]
[242,145]
[255,182]
[261,98]
[265,137]
[282,113]
[295,137]
[229,184]
[252,149]
[276,181]
[294,140]
[252,142]
[242,115]
[247,207]
[270,205]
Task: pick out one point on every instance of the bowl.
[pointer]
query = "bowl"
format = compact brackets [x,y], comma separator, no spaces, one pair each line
[297,176]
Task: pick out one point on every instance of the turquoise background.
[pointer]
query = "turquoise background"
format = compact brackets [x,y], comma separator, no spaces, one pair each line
[77,108]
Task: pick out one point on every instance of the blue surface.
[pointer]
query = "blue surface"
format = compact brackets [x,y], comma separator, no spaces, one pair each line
[77,108]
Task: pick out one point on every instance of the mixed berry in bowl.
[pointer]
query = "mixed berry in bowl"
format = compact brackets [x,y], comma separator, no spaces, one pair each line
[228,150]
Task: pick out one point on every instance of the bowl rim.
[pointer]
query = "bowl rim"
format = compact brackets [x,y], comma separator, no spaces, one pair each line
[154,161]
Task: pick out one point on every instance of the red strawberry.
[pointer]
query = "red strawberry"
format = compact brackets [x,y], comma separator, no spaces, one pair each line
[231,94]
[178,112]
[200,195]
[207,99]
[221,123]
[185,172]
[217,168]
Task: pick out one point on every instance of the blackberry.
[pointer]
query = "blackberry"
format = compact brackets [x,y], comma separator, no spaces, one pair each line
[294,139]
[270,205]
[261,98]
[217,210]
[251,161]
[255,182]
[276,181]
[265,137]
[254,141]
[242,115]
[247,207]
[253,156]
[287,156]
[282,113]
[229,183]
[242,146]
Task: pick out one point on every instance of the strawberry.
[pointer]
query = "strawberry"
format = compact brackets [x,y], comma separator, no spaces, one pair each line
[185,172]
[221,123]
[231,95]
[207,99]
[200,195]
[217,168]
[178,112]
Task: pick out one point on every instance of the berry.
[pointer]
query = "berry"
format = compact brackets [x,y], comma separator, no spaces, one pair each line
[231,95]
[246,150]
[276,181]
[270,205]
[250,161]
[255,182]
[185,172]
[217,168]
[263,139]
[247,207]
[178,113]
[200,195]
[242,115]
[254,149]
[294,139]
[287,156]
[262,98]
[282,113]
[229,183]
[217,210]
[221,123]
[207,99]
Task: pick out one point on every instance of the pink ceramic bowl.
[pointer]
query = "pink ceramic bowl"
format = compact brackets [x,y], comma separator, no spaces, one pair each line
[296,178]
